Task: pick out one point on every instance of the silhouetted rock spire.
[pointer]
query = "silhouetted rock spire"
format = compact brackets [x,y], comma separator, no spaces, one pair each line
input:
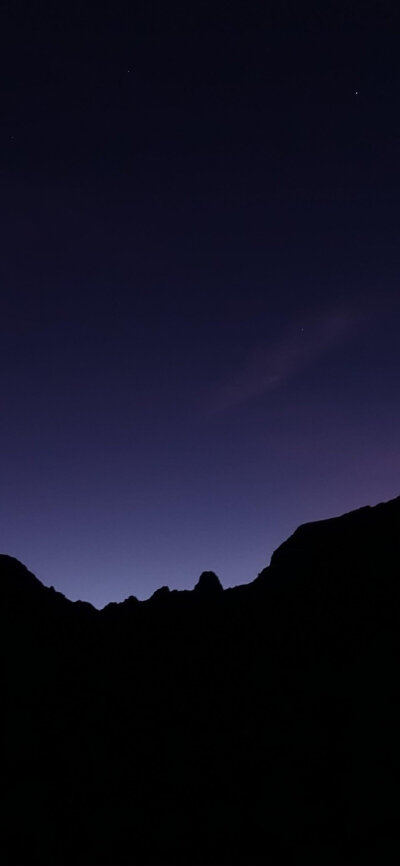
[208,584]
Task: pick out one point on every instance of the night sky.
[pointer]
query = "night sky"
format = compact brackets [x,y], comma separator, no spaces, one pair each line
[199,283]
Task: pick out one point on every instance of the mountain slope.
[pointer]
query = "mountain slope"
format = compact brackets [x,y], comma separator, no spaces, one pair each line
[254,724]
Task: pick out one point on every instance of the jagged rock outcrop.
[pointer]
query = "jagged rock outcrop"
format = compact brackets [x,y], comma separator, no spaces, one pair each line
[208,584]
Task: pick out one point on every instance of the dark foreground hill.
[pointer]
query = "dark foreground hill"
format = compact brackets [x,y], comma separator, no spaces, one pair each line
[255,725]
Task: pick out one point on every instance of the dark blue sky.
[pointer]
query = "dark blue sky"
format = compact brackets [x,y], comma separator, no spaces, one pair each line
[199,298]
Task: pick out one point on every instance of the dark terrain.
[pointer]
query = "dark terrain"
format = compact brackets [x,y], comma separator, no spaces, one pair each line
[254,725]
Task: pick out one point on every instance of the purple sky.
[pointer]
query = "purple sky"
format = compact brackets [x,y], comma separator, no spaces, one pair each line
[199,296]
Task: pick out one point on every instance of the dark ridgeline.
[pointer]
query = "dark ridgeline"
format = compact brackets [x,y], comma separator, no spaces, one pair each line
[254,725]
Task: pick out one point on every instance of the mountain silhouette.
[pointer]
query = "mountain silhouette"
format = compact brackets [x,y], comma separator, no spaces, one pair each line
[252,725]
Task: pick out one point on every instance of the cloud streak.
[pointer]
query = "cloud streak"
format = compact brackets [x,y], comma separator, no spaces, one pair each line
[269,366]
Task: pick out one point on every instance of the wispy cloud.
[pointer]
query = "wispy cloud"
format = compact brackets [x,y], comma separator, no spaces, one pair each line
[270,365]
